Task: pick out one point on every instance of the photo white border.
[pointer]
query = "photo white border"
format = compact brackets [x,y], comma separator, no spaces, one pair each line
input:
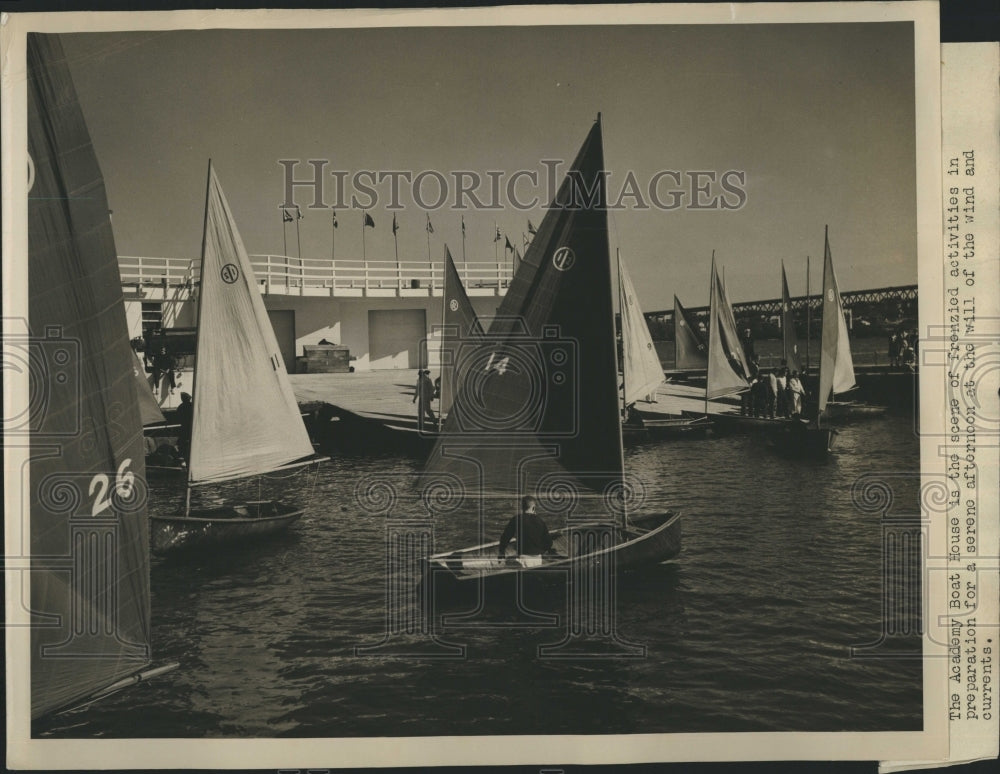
[24,752]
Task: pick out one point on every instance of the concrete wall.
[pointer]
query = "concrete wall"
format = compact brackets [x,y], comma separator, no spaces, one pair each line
[340,320]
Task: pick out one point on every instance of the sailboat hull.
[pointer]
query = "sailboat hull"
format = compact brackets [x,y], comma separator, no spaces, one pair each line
[846,411]
[220,526]
[662,426]
[648,540]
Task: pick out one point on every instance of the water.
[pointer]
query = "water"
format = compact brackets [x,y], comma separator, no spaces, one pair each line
[749,630]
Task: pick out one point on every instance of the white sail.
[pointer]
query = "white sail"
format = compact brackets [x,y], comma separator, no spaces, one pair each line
[149,409]
[728,370]
[836,366]
[246,420]
[641,365]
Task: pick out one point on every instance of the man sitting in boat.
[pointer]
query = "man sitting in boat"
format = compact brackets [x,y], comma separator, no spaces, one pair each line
[533,538]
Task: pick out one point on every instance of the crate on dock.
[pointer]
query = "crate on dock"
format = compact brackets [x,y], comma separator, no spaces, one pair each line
[327,359]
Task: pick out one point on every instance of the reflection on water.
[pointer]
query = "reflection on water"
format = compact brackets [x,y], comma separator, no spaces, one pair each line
[749,629]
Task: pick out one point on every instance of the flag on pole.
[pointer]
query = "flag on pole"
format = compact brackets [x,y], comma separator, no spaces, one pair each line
[395,226]
[298,213]
[531,229]
[335,219]
[498,236]
[463,225]
[368,221]
[508,245]
[285,216]
[430,228]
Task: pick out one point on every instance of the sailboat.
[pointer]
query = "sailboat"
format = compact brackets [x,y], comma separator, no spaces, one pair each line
[690,350]
[246,423]
[836,366]
[642,372]
[90,600]
[460,328]
[536,409]
[789,341]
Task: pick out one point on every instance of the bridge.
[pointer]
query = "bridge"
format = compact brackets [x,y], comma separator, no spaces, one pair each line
[858,301]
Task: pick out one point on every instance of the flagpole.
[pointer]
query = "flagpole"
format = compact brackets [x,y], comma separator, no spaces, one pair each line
[298,237]
[395,242]
[430,264]
[284,233]
[465,265]
[333,236]
[364,225]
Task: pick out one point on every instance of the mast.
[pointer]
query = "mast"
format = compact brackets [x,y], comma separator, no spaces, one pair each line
[621,317]
[198,332]
[711,322]
[444,312]
[808,315]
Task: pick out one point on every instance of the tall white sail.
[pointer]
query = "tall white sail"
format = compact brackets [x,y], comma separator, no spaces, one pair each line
[246,420]
[641,365]
[728,370]
[836,366]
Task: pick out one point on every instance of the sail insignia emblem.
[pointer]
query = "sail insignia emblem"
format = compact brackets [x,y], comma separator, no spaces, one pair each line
[563,259]
[229,273]
[829,295]
[453,305]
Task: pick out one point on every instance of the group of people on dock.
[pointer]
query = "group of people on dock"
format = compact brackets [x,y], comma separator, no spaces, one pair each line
[778,392]
[903,349]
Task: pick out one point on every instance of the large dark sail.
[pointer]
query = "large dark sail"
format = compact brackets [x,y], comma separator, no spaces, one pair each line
[461,328]
[690,349]
[89,533]
[540,393]
[789,339]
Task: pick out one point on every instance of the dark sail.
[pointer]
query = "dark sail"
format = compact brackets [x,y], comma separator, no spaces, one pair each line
[541,394]
[690,349]
[789,339]
[89,533]
[461,328]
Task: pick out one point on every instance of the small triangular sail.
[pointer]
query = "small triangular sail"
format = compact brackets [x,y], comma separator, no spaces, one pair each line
[149,409]
[836,366]
[789,340]
[89,532]
[246,421]
[728,370]
[461,328]
[541,393]
[690,349]
[641,365]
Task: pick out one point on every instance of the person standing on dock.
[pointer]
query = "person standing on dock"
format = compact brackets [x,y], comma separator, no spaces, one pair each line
[771,394]
[185,418]
[796,394]
[424,392]
[533,538]
[781,396]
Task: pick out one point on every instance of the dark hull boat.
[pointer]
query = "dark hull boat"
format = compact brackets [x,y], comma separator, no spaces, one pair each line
[846,411]
[663,426]
[209,528]
[649,540]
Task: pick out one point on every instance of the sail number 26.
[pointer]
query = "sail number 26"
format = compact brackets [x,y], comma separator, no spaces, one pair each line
[124,483]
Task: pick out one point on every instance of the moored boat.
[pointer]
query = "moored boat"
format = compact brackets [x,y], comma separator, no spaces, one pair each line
[246,423]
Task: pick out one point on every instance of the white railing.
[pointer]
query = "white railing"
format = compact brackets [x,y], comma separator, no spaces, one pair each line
[281,271]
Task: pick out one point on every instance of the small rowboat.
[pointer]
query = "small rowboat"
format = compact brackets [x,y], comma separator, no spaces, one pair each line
[651,539]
